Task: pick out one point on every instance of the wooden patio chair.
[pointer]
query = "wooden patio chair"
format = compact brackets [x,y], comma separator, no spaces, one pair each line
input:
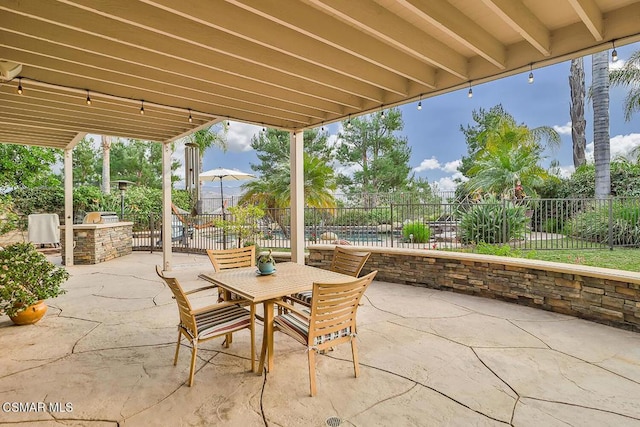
[205,323]
[344,261]
[331,321]
[224,259]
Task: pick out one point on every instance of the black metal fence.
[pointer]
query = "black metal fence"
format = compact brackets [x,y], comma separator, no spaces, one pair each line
[540,224]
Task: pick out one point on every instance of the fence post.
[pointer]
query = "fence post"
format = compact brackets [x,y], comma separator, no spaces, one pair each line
[151,231]
[392,230]
[610,223]
[504,220]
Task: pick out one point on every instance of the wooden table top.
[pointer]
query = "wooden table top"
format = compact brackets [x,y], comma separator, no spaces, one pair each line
[288,279]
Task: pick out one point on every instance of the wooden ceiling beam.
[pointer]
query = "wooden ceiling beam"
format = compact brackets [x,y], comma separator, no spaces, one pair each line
[515,14]
[591,16]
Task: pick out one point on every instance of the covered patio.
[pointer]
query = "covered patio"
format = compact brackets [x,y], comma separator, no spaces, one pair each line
[158,70]
[104,352]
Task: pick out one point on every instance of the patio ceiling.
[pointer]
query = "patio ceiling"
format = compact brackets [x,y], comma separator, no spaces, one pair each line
[290,65]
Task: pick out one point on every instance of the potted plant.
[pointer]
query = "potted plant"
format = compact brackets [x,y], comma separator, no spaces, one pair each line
[266,263]
[27,278]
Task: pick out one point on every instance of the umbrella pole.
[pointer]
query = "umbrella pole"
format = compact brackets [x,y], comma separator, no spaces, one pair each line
[224,229]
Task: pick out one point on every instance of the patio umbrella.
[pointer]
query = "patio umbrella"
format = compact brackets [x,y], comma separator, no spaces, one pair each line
[224,175]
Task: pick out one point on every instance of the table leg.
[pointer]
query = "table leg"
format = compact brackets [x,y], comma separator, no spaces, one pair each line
[267,339]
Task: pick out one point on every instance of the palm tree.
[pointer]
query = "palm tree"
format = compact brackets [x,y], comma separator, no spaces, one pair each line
[601,142]
[274,190]
[106,164]
[578,123]
[629,76]
[511,155]
[504,152]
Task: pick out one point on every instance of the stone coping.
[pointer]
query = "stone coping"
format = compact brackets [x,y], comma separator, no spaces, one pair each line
[95,226]
[558,267]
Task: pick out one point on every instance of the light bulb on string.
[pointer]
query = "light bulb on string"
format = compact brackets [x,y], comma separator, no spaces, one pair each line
[20,86]
[190,116]
[142,108]
[88,98]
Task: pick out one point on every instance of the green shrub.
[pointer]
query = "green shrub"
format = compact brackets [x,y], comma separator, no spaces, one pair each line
[8,218]
[352,216]
[492,221]
[421,232]
[592,224]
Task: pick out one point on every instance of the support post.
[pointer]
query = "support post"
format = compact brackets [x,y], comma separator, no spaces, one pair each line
[297,198]
[166,207]
[68,207]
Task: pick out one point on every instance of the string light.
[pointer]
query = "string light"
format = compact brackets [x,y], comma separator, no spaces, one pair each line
[470,93]
[614,54]
[88,98]
[530,73]
[20,86]
[349,122]
[420,103]
[142,108]
[322,128]
[381,112]
[190,117]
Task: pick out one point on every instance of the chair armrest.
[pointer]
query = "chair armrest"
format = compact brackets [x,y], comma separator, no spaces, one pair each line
[294,309]
[204,288]
[241,303]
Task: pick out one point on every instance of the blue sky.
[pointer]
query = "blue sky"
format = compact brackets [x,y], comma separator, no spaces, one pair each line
[434,132]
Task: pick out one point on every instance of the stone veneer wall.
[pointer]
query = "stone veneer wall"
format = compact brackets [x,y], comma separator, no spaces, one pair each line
[603,295]
[97,243]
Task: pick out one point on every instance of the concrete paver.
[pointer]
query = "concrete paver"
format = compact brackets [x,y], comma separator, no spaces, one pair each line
[428,358]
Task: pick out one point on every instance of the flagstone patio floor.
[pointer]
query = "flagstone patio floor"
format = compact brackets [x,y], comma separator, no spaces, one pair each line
[103,356]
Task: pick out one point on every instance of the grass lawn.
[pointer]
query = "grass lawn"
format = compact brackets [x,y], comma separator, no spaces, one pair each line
[621,259]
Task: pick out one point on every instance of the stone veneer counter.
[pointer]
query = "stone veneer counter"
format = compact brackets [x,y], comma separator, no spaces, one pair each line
[95,243]
[603,295]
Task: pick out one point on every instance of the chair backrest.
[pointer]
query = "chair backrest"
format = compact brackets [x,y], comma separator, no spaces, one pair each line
[348,262]
[184,307]
[334,307]
[223,259]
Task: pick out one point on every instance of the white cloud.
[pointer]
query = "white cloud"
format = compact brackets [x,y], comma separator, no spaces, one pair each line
[428,164]
[616,65]
[445,184]
[563,129]
[452,167]
[449,183]
[621,146]
[239,136]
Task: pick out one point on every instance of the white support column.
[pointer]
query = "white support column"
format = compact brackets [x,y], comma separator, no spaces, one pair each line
[166,206]
[68,207]
[297,198]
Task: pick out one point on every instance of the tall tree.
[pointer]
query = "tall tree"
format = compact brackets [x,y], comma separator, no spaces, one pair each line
[85,158]
[106,164]
[578,123]
[501,152]
[629,76]
[511,156]
[25,166]
[601,141]
[273,190]
[380,157]
[140,162]
[272,148]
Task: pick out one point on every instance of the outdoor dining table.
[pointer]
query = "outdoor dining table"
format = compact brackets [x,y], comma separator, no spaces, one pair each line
[288,279]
